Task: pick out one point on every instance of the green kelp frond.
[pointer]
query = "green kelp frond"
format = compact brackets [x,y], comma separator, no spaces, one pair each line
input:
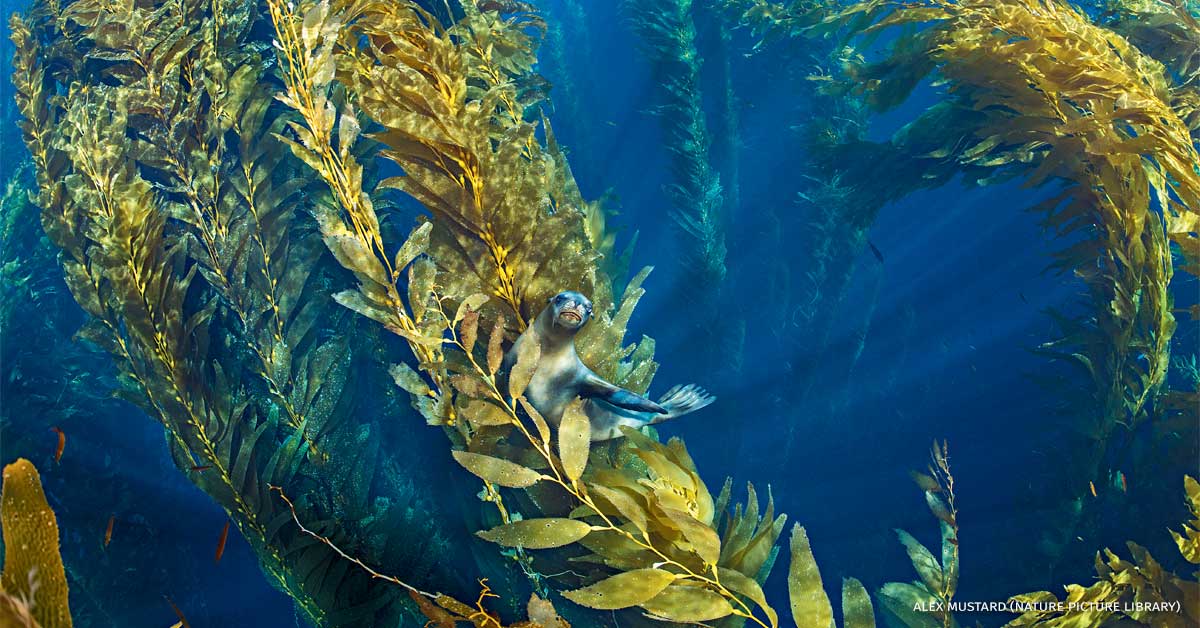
[474,162]
[810,604]
[1108,134]
[938,575]
[1167,600]
[1164,29]
[34,581]
[668,31]
[184,239]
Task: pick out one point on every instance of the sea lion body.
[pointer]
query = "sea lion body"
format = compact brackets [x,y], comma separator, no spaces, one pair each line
[561,376]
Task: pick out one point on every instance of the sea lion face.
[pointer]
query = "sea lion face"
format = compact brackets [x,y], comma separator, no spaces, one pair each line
[570,310]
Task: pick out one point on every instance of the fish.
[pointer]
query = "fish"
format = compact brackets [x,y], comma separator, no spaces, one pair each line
[183,622]
[875,251]
[62,444]
[201,467]
[1092,485]
[1022,295]
[108,531]
[1120,483]
[221,543]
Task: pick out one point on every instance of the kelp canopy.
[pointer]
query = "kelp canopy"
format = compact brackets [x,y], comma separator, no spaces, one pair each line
[195,240]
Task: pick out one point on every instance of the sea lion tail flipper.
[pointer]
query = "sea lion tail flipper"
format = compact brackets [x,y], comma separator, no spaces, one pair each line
[681,400]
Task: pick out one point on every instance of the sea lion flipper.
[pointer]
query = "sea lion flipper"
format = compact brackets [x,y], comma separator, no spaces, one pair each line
[592,385]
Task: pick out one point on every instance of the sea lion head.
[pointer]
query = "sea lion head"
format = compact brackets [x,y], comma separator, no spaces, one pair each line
[570,311]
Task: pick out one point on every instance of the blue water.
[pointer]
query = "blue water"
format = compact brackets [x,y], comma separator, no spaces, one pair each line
[959,302]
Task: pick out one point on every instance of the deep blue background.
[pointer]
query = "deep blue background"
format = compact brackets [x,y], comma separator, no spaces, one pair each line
[950,343]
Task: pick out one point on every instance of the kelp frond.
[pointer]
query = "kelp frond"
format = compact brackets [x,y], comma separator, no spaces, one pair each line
[506,223]
[151,130]
[1162,598]
[668,32]
[34,581]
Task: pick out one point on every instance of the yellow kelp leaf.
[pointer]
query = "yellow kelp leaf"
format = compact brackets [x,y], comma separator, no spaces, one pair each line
[416,244]
[574,440]
[743,585]
[469,329]
[470,304]
[1189,541]
[31,541]
[409,380]
[623,590]
[495,352]
[497,470]
[618,551]
[922,560]
[482,413]
[537,533]
[625,504]
[701,537]
[528,355]
[857,611]
[683,603]
[810,605]
[539,421]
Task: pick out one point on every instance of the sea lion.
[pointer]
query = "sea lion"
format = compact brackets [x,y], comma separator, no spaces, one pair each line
[561,376]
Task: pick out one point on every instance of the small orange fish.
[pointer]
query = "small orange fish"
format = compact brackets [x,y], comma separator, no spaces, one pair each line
[202,467]
[1121,482]
[221,543]
[108,531]
[62,443]
[1092,485]
[183,622]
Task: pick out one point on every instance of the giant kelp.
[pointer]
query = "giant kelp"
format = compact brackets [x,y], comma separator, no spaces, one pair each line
[183,239]
[1137,592]
[34,582]
[668,32]
[506,231]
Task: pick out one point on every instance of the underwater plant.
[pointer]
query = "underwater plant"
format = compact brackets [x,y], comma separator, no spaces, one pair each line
[1137,592]
[184,239]
[33,586]
[506,232]
[938,576]
[668,31]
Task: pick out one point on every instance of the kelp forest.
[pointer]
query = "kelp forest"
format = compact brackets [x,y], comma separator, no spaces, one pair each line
[264,265]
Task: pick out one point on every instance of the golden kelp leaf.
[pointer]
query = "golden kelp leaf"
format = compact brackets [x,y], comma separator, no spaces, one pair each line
[922,560]
[1189,541]
[527,359]
[470,304]
[939,508]
[626,505]
[537,533]
[574,440]
[701,537]
[683,603]
[926,482]
[810,604]
[618,551]
[857,611]
[408,379]
[482,413]
[416,244]
[744,585]
[468,330]
[497,470]
[470,385]
[495,353]
[539,421]
[623,590]
[31,542]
